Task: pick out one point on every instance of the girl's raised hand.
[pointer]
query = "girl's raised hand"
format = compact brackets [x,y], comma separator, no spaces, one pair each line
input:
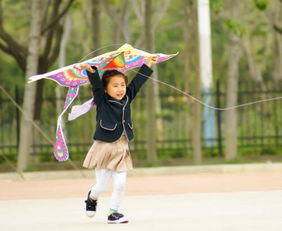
[152,60]
[85,66]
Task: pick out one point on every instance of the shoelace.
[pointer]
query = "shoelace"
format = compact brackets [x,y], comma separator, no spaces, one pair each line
[91,203]
[117,215]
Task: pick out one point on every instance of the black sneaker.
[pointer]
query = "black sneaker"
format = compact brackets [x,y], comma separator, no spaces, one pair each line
[90,206]
[117,218]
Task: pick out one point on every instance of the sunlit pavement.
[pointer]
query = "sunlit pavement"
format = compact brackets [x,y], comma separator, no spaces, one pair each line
[226,211]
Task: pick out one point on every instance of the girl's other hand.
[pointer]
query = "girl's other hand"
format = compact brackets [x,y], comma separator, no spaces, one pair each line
[85,66]
[152,60]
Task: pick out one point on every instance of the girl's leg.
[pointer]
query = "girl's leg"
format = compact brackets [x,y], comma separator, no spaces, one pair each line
[119,186]
[103,177]
[118,189]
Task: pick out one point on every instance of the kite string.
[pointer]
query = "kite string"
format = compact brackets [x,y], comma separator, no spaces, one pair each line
[189,95]
[207,105]
[111,45]
[38,129]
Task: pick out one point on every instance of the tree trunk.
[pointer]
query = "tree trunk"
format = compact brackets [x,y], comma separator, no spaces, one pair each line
[120,18]
[95,20]
[161,10]
[187,7]
[197,128]
[62,60]
[62,63]
[253,67]
[191,79]
[150,98]
[159,122]
[277,71]
[30,89]
[36,119]
[232,94]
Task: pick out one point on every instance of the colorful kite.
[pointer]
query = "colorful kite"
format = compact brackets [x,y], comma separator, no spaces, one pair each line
[123,59]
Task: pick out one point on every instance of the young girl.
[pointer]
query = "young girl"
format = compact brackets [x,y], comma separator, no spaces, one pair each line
[109,154]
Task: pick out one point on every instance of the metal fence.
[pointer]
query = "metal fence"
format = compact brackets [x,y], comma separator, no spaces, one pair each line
[259,125]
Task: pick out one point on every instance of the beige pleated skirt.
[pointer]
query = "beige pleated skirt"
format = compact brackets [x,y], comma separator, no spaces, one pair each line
[114,156]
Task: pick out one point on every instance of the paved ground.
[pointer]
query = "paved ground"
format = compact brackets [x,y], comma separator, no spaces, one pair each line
[237,211]
[196,201]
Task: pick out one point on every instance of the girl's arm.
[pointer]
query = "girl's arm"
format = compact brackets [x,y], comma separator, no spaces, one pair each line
[140,78]
[95,80]
[97,85]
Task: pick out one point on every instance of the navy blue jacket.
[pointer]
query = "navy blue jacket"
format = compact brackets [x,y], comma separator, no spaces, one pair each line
[113,116]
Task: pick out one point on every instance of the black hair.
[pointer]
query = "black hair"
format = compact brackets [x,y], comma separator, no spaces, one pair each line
[110,73]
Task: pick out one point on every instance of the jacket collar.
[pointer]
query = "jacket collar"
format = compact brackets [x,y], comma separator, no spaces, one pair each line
[122,102]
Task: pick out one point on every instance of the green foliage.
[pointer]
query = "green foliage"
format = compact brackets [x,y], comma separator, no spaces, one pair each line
[261,4]
[16,19]
[236,27]
[172,153]
[165,115]
[77,5]
[216,6]
[114,2]
[211,152]
[11,75]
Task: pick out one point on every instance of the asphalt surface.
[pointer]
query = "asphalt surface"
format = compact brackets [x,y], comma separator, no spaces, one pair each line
[232,211]
[221,198]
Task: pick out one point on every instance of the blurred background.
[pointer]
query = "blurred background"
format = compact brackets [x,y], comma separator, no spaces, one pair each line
[230,53]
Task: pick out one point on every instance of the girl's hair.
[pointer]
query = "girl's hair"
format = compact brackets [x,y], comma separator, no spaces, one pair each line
[110,73]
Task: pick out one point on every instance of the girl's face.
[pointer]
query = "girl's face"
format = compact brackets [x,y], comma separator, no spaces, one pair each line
[116,87]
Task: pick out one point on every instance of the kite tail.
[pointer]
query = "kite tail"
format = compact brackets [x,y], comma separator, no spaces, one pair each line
[60,148]
[79,110]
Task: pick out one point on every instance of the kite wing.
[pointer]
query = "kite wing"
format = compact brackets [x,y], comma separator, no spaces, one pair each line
[123,59]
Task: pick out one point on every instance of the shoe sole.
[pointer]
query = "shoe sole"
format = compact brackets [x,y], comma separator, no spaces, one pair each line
[117,222]
[90,214]
[120,221]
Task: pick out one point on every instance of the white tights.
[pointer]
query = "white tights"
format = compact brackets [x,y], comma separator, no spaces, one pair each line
[103,177]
